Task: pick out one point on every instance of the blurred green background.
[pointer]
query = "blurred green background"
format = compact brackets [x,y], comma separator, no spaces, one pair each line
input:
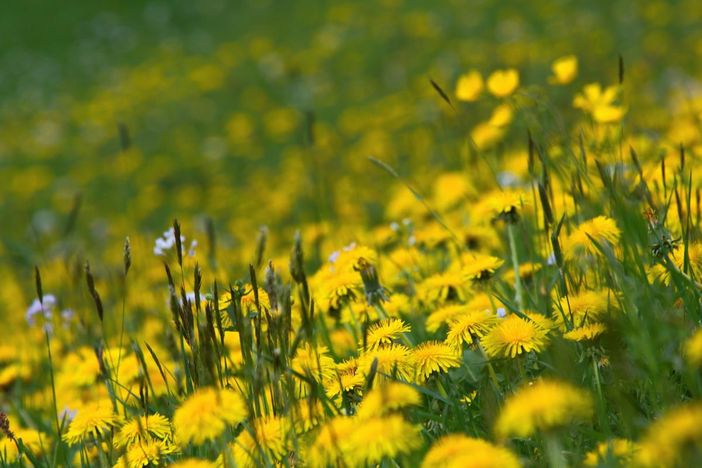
[261,112]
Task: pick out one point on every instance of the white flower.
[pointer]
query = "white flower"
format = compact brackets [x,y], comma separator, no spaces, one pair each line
[44,309]
[166,242]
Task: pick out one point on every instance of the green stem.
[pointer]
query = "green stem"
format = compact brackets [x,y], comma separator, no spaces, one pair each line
[596,372]
[554,452]
[515,265]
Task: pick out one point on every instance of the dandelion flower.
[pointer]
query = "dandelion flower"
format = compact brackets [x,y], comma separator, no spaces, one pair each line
[461,451]
[585,307]
[434,356]
[383,437]
[469,86]
[146,453]
[193,463]
[564,70]
[481,267]
[693,348]
[92,422]
[266,441]
[392,360]
[313,362]
[442,287]
[468,326]
[585,333]
[513,336]
[502,83]
[622,449]
[543,405]
[385,332]
[501,115]
[444,315]
[206,414]
[387,397]
[141,427]
[667,440]
[601,229]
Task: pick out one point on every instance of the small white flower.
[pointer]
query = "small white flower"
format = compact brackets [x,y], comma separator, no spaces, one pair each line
[38,308]
[501,312]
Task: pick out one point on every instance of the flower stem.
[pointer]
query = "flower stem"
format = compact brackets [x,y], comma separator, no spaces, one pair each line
[554,452]
[515,265]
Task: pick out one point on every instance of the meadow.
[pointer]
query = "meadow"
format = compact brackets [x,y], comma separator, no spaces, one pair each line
[388,234]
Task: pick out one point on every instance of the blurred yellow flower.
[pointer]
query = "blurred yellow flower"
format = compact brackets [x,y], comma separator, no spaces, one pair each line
[564,70]
[461,451]
[92,422]
[143,427]
[542,405]
[265,442]
[601,229]
[501,116]
[387,397]
[502,83]
[621,449]
[692,348]
[586,332]
[600,103]
[469,86]
[205,415]
[669,439]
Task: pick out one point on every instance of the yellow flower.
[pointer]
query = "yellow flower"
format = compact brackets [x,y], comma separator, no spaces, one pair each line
[450,189]
[480,267]
[92,422]
[142,427]
[362,442]
[193,463]
[347,378]
[434,356]
[600,103]
[377,438]
[470,325]
[385,332]
[585,307]
[501,116]
[146,452]
[502,83]
[441,287]
[585,333]
[387,397]
[676,433]
[469,86]
[622,449]
[342,341]
[313,362]
[337,288]
[484,135]
[543,405]
[205,415]
[444,315]
[506,205]
[461,451]
[35,441]
[513,336]
[601,229]
[264,443]
[693,348]
[391,359]
[564,69]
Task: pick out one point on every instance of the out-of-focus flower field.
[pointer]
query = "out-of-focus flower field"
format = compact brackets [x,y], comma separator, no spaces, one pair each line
[393,233]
